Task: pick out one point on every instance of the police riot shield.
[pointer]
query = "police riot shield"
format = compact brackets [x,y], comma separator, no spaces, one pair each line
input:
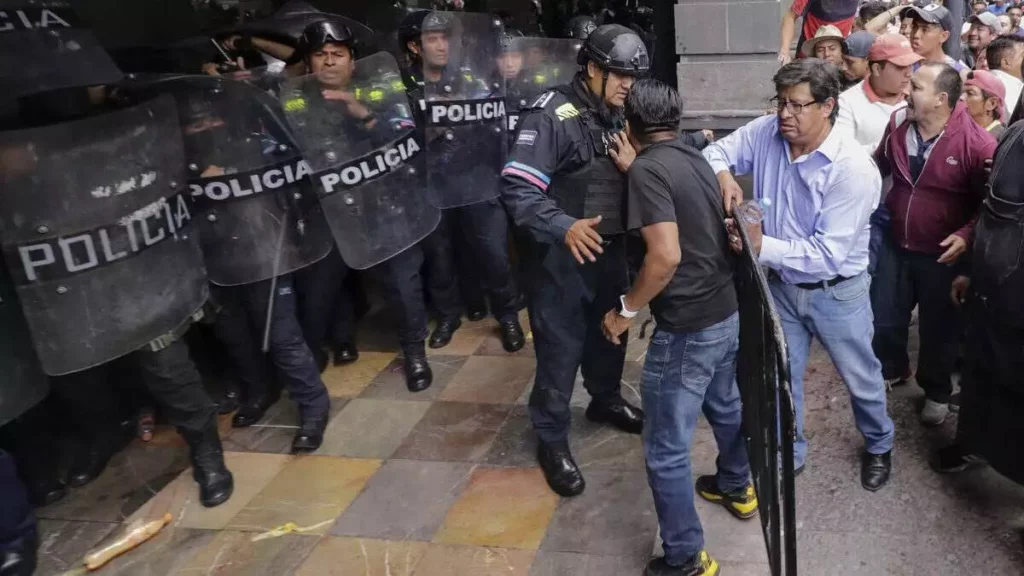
[44,46]
[95,228]
[769,416]
[463,107]
[532,66]
[356,131]
[23,384]
[257,214]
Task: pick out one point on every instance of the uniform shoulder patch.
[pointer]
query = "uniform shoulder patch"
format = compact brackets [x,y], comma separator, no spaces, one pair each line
[566,111]
[543,99]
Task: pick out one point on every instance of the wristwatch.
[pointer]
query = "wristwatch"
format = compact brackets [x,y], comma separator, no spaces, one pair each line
[623,311]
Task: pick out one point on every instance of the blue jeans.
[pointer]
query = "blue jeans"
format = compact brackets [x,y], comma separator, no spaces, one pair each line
[840,318]
[686,372]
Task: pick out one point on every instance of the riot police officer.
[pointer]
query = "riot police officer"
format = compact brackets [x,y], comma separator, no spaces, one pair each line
[477,224]
[580,27]
[564,187]
[329,50]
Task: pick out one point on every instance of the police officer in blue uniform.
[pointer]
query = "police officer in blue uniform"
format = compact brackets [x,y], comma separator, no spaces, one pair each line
[481,228]
[564,187]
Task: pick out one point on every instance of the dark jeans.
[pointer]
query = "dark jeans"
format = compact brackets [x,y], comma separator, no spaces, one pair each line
[402,278]
[902,280]
[687,373]
[240,325]
[325,302]
[567,304]
[481,234]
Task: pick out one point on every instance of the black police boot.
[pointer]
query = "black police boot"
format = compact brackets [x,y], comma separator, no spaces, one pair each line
[345,354]
[620,414]
[45,491]
[512,338]
[251,412]
[443,333]
[21,555]
[311,434]
[90,463]
[476,312]
[228,401]
[216,483]
[875,470]
[418,375]
[560,470]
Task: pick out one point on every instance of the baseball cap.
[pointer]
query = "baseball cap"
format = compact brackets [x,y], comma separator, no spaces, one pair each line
[859,43]
[992,85]
[893,48]
[932,14]
[826,32]
[987,19]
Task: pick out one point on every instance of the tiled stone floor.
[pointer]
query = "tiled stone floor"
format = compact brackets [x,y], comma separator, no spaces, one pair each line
[444,483]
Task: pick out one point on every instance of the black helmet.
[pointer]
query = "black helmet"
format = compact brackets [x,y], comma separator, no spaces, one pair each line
[616,48]
[417,22]
[580,27]
[317,34]
[512,40]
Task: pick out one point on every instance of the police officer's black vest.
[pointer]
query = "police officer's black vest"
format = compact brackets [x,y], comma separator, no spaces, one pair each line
[598,188]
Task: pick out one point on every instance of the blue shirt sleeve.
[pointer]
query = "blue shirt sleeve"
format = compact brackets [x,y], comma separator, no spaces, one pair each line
[846,206]
[735,152]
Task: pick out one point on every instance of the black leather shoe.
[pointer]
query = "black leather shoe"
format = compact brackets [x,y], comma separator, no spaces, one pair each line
[216,484]
[560,470]
[88,466]
[228,401]
[251,412]
[875,470]
[418,375]
[512,338]
[476,313]
[345,354]
[621,414]
[21,555]
[310,435]
[46,493]
[443,334]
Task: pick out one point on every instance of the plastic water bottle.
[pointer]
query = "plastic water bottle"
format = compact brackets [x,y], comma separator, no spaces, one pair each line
[752,211]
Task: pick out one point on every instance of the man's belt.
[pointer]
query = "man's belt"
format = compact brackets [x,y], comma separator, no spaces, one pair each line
[815,285]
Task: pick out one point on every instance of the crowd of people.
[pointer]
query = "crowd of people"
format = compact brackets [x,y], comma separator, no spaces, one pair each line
[856,227]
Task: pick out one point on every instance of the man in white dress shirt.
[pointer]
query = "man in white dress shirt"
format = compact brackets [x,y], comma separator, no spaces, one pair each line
[1005,55]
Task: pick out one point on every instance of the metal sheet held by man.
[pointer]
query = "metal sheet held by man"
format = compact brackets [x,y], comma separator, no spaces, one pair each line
[463,107]
[44,46]
[23,384]
[257,211]
[95,225]
[532,66]
[762,376]
[355,129]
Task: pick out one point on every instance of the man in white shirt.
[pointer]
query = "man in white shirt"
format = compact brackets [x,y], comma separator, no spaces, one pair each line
[1005,55]
[864,109]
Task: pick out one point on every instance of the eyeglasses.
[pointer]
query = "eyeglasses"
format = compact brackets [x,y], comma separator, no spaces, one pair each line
[794,108]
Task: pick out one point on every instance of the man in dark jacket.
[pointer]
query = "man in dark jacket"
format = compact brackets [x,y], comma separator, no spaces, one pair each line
[935,154]
[989,425]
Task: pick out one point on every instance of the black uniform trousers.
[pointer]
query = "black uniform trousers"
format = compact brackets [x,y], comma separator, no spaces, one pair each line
[240,325]
[402,278]
[481,234]
[19,536]
[325,303]
[567,303]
